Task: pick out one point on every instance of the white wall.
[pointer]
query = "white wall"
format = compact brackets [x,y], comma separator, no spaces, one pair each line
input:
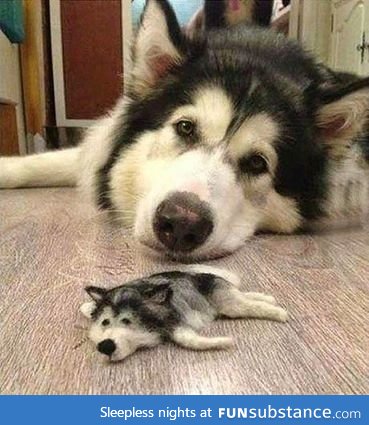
[10,83]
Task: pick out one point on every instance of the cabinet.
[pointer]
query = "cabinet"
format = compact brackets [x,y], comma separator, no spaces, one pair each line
[350,36]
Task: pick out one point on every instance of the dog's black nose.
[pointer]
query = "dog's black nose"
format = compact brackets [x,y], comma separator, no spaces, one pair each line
[183,222]
[106,347]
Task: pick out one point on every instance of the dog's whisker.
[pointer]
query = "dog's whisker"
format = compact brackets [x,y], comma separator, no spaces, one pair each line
[82,328]
[79,344]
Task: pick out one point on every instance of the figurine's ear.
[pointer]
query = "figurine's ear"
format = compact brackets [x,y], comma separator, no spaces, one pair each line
[159,46]
[344,114]
[88,308]
[96,293]
[158,293]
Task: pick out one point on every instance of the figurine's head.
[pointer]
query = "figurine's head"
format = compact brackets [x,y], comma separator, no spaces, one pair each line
[119,325]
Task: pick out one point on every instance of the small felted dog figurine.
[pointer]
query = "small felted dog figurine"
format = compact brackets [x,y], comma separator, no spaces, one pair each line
[171,306]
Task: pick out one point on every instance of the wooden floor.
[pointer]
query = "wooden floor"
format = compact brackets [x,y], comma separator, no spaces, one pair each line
[51,246]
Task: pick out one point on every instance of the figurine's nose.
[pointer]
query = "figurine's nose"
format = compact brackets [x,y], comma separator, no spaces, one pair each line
[107,347]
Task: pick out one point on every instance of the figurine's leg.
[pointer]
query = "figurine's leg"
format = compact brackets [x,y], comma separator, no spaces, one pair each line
[233,303]
[87,308]
[188,338]
[259,296]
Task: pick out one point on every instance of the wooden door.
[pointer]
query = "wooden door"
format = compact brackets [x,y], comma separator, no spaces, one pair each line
[88,48]
[92,56]
[350,28]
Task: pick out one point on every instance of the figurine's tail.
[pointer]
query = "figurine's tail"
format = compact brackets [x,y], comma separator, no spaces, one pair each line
[224,274]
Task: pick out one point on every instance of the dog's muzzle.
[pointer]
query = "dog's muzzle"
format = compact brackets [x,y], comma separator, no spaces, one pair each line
[183,222]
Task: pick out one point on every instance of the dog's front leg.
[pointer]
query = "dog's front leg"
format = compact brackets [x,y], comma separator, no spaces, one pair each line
[49,169]
[188,338]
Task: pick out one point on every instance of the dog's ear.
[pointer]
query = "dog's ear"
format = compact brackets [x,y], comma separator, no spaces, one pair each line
[343,114]
[158,47]
[96,293]
[195,27]
[158,293]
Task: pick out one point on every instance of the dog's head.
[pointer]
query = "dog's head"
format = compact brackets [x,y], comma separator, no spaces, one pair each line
[222,137]
[126,318]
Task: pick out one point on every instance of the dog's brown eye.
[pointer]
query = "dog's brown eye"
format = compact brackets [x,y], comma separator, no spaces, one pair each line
[185,128]
[105,322]
[254,164]
[126,321]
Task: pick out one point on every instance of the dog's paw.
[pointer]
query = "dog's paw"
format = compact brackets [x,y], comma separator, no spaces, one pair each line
[281,315]
[223,342]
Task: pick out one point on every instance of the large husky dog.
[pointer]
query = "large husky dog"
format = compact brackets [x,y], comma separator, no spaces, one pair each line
[217,138]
